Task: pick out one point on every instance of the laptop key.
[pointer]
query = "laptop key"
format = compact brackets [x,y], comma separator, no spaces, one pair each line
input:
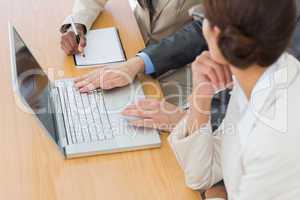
[88,113]
[101,137]
[75,116]
[70,117]
[67,120]
[109,135]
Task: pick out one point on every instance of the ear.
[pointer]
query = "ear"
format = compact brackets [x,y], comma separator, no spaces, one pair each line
[216,31]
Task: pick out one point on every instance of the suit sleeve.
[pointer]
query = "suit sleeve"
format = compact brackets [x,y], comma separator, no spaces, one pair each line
[199,156]
[178,49]
[86,11]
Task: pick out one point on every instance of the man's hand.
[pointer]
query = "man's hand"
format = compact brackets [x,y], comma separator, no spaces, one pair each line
[154,114]
[69,43]
[108,78]
[208,78]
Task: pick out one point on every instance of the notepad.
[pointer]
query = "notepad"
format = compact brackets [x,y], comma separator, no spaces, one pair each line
[103,47]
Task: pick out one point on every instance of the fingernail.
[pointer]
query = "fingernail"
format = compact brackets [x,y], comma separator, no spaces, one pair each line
[82,90]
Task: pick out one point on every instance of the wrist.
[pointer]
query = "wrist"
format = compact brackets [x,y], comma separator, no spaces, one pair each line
[198,113]
[139,64]
[133,66]
[200,104]
[196,120]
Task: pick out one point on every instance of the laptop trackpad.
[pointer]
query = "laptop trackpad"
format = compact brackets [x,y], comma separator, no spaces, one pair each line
[118,99]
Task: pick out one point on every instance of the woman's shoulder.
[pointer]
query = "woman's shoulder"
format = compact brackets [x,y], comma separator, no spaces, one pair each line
[288,60]
[287,74]
[289,68]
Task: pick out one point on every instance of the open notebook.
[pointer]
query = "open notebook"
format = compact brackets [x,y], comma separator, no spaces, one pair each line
[103,47]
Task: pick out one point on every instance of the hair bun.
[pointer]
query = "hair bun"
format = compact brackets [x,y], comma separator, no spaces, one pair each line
[237,47]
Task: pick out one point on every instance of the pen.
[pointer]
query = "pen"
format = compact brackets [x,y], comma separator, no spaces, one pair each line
[76,33]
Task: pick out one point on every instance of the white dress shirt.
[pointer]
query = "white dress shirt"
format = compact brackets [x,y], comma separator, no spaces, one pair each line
[256,150]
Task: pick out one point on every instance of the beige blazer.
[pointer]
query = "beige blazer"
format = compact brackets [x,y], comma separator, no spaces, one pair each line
[169,16]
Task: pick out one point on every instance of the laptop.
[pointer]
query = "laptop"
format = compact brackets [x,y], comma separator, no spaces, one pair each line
[79,124]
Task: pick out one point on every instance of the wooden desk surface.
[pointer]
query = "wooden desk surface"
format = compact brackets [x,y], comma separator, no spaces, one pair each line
[31,168]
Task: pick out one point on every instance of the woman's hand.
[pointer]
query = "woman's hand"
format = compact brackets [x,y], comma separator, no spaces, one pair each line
[108,78]
[154,114]
[208,78]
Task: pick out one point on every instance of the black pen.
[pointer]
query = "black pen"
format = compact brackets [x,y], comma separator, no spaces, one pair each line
[76,34]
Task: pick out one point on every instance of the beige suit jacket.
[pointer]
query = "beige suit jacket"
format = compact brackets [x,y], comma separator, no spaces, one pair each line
[169,16]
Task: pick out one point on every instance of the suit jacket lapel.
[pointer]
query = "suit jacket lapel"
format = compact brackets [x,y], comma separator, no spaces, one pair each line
[161,4]
[143,19]
[147,20]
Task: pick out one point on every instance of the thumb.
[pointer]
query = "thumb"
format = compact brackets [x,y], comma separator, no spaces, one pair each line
[82,43]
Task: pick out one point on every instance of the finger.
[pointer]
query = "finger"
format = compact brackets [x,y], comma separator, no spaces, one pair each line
[148,104]
[88,78]
[82,43]
[140,105]
[137,113]
[219,70]
[211,75]
[108,83]
[85,81]
[89,87]
[81,78]
[144,104]
[81,84]
[94,84]
[228,75]
[89,75]
[69,46]
[65,44]
[66,50]
[73,43]
[150,123]
[132,106]
[145,123]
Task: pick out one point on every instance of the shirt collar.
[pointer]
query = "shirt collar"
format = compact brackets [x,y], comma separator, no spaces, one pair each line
[278,76]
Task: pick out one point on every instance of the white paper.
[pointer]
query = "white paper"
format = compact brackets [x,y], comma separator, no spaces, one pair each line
[103,47]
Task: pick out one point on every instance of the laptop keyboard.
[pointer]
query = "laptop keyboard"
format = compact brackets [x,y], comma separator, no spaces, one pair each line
[85,115]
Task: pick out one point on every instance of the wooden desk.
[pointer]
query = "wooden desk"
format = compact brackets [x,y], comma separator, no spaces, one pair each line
[31,168]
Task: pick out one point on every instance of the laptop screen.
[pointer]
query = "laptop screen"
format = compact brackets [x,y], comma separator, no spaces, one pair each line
[33,84]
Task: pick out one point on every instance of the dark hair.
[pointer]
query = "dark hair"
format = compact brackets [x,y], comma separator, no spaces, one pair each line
[147,4]
[252,31]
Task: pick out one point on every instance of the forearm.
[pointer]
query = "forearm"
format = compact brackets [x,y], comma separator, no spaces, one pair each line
[177,50]
[198,115]
[85,12]
[198,155]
